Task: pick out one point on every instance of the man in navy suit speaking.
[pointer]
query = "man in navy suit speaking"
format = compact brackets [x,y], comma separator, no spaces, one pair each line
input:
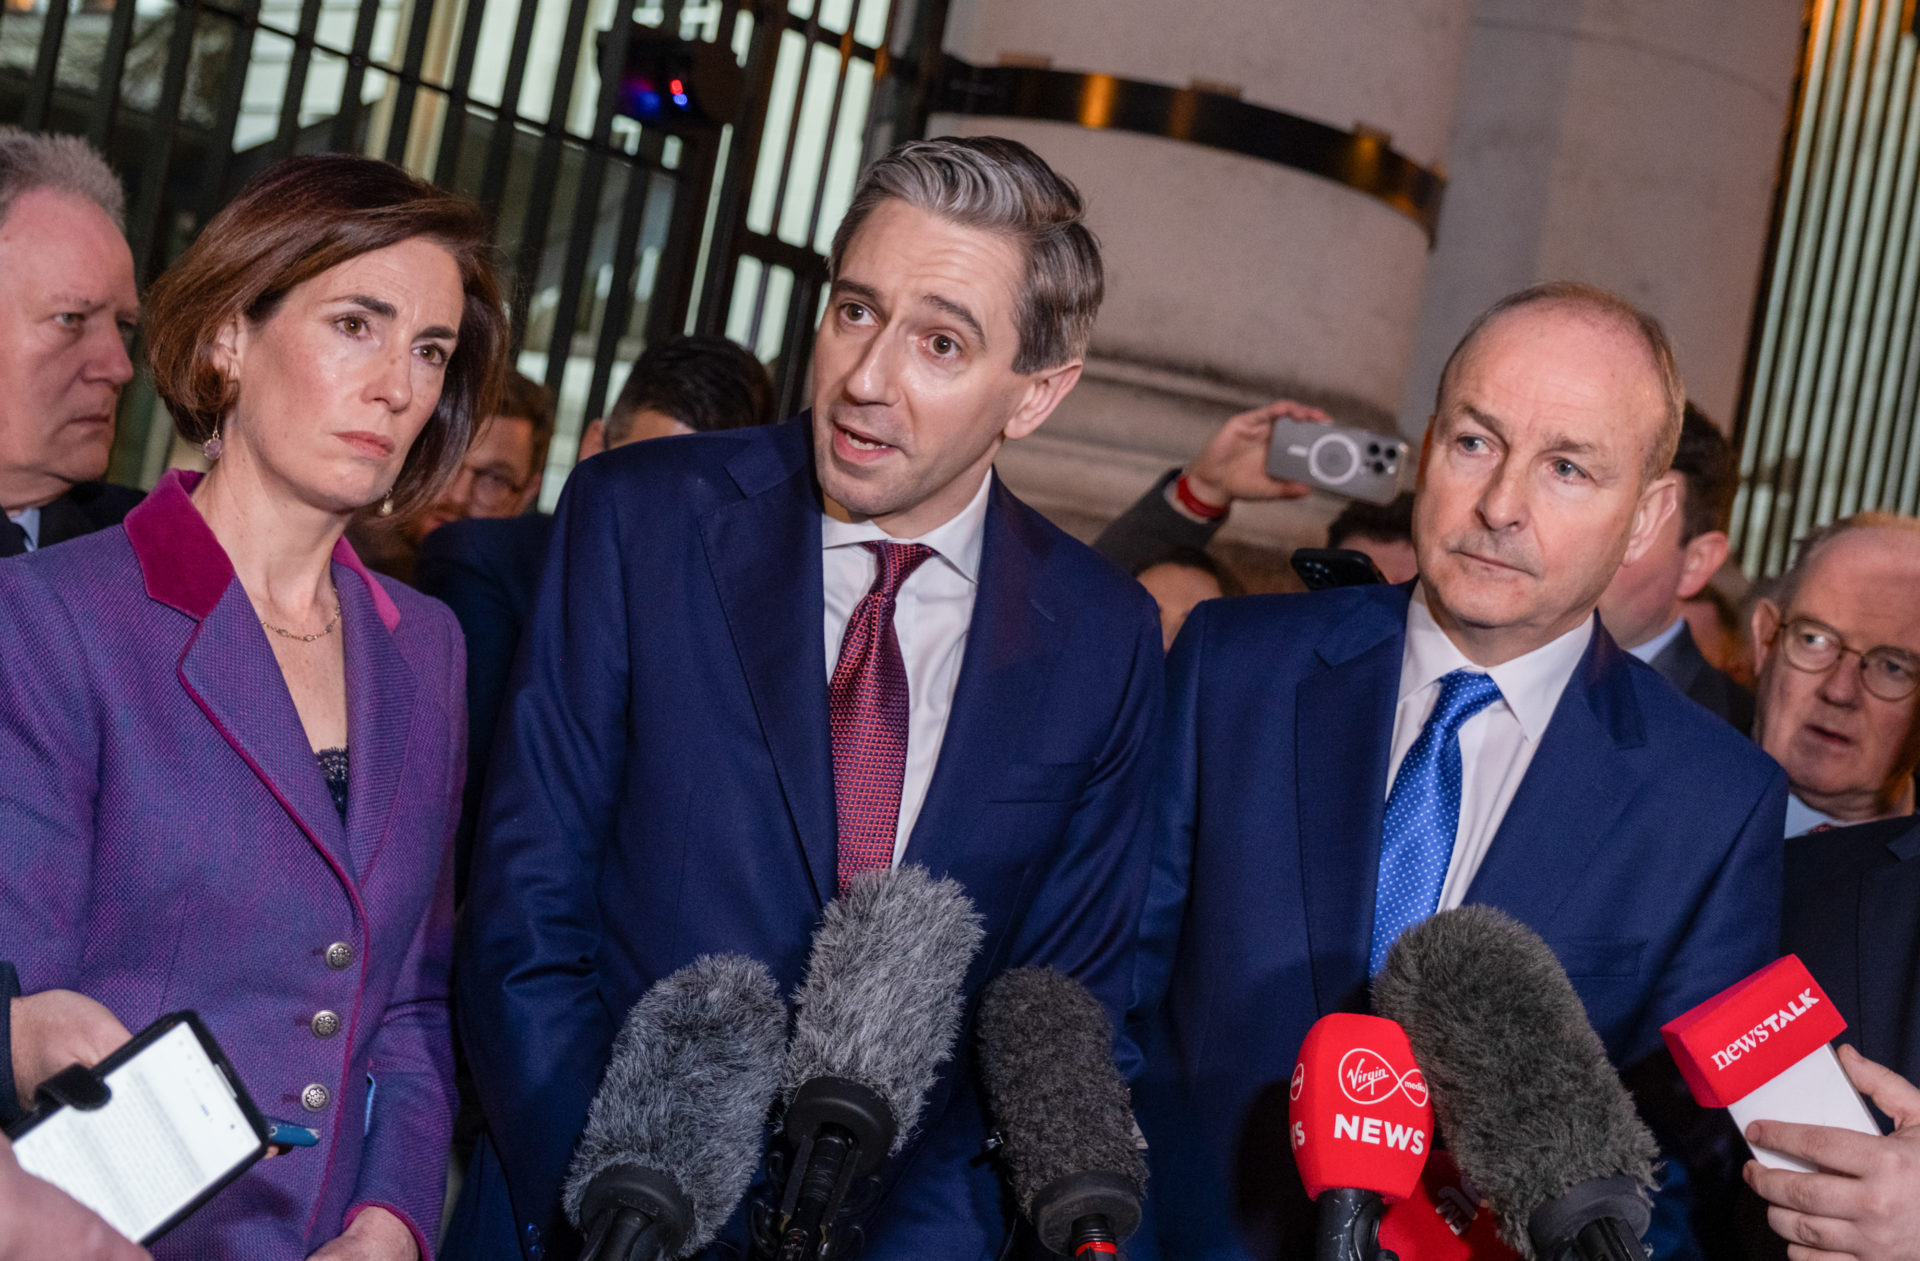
[765,660]
[1342,764]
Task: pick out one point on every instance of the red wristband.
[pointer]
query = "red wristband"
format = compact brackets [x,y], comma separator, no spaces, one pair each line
[1194,504]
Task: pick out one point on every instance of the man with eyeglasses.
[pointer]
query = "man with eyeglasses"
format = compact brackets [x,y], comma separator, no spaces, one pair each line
[501,475]
[1839,708]
[1839,651]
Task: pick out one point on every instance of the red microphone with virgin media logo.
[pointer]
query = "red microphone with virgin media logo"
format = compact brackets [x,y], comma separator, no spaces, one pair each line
[1763,1050]
[1361,1125]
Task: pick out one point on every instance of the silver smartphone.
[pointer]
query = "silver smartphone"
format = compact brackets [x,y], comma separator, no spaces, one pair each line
[1356,463]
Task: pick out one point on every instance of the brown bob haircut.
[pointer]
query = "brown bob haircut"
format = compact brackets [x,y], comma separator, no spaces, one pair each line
[295,220]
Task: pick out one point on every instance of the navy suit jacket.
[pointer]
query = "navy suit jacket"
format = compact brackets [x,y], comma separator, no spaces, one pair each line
[487,570]
[1643,844]
[663,789]
[1853,916]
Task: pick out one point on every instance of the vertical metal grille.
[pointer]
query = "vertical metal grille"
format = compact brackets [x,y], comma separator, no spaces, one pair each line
[814,64]
[1827,420]
[615,233]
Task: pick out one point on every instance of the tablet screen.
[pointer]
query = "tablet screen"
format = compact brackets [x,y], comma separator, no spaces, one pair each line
[172,1130]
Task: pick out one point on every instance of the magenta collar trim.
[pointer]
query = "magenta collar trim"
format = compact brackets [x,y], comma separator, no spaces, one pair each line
[184,565]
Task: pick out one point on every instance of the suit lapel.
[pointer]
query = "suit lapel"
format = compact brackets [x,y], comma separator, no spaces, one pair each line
[381,688]
[230,671]
[764,553]
[1343,736]
[1573,792]
[1000,690]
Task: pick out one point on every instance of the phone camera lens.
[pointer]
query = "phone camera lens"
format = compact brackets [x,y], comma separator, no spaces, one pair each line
[1373,448]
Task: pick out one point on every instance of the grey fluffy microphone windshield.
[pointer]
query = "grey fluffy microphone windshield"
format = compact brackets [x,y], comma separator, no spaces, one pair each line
[1062,1108]
[1529,1105]
[875,1018]
[881,1002]
[685,1096]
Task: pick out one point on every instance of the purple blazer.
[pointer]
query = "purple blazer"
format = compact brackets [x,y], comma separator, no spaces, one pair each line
[167,841]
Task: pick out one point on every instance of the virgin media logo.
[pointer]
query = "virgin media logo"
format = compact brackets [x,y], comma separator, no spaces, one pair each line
[1367,1078]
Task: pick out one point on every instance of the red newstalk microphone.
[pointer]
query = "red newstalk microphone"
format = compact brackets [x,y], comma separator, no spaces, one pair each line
[1361,1124]
[1443,1220]
[1763,1051]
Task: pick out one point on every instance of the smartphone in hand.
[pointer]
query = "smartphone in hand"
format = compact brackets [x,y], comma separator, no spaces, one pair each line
[1356,463]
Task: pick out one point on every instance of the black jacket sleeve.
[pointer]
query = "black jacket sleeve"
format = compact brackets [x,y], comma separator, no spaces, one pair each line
[9,1093]
[1151,528]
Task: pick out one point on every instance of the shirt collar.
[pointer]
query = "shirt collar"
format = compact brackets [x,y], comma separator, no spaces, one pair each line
[958,542]
[1803,818]
[28,519]
[1658,644]
[1530,684]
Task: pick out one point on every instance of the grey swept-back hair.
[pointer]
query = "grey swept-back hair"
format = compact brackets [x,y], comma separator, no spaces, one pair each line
[1606,307]
[68,164]
[1003,187]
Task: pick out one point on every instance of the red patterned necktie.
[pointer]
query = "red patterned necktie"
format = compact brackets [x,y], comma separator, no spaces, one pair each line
[867,709]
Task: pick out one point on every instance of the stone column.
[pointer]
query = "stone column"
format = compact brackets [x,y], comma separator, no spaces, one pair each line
[1231,280]
[1631,143]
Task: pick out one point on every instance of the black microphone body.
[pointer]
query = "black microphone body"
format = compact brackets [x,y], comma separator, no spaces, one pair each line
[846,1131]
[1350,1226]
[878,1013]
[1062,1110]
[1533,1112]
[680,1120]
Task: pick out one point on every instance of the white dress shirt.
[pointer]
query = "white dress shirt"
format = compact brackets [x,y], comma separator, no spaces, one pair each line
[1497,744]
[28,519]
[1658,644]
[1803,818]
[931,613]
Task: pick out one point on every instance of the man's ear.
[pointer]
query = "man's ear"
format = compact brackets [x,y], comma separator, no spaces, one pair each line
[593,439]
[1700,560]
[1660,500]
[1766,624]
[1426,451]
[1045,389]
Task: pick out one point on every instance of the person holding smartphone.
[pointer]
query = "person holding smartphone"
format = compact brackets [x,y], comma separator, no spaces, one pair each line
[185,828]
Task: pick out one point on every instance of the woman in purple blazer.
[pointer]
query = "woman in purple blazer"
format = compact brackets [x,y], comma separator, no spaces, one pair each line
[232,756]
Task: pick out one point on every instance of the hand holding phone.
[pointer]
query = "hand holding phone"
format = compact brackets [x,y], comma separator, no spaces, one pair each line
[1233,464]
[55,1028]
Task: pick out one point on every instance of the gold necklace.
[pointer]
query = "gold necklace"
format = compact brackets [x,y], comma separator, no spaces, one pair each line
[322,633]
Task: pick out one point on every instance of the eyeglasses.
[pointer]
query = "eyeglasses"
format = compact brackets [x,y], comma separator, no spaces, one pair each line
[1889,673]
[492,490]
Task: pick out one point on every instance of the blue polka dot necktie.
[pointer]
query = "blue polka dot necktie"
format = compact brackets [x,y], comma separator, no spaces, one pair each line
[867,712]
[1423,813]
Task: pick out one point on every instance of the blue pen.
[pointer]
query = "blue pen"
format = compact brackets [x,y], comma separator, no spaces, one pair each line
[287,1134]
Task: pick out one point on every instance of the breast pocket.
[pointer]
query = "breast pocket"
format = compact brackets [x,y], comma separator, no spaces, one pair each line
[1042,781]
